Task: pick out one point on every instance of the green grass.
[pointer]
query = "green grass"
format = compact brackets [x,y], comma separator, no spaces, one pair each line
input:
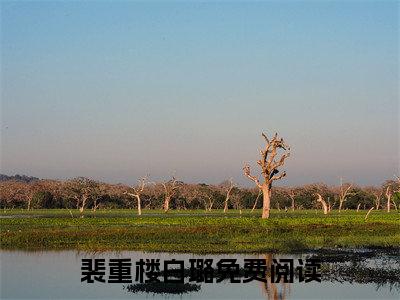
[197,231]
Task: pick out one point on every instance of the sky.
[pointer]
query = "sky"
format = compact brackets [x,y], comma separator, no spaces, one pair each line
[118,90]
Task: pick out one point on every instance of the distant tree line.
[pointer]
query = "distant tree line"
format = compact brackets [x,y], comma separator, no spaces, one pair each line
[22,178]
[83,193]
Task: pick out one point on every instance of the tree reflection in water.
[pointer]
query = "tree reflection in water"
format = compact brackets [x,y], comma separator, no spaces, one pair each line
[373,267]
[270,289]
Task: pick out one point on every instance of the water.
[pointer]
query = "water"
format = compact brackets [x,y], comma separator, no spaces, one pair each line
[57,275]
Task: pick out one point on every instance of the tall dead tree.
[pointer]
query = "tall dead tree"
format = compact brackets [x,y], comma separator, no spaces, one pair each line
[269,169]
[344,191]
[228,194]
[170,188]
[138,191]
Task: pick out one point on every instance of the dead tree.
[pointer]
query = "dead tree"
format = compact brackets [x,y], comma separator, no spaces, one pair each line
[170,188]
[292,195]
[228,194]
[237,202]
[324,205]
[377,195]
[81,190]
[388,194]
[269,169]
[138,191]
[343,193]
[331,206]
[369,211]
[208,202]
[255,202]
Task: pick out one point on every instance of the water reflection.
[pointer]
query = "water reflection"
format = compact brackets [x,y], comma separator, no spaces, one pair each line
[345,274]
[367,267]
[272,290]
[163,288]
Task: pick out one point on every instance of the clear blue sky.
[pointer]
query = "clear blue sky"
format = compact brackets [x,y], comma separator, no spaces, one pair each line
[117,90]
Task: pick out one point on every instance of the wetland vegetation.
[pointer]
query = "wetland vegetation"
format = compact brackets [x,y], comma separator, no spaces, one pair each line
[197,231]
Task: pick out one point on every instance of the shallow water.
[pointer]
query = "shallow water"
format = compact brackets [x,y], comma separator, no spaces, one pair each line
[57,275]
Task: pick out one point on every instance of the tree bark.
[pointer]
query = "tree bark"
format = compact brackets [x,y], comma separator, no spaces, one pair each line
[266,201]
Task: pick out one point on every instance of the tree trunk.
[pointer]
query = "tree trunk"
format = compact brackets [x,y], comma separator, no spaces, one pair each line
[266,202]
[139,206]
[388,196]
[366,216]
[166,204]
[388,204]
[358,206]
[394,204]
[378,203]
[226,205]
[324,205]
[95,205]
[255,203]
[83,203]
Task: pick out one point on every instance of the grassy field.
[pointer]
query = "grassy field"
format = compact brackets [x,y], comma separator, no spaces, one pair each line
[197,231]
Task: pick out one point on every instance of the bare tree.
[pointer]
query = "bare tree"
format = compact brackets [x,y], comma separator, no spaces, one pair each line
[292,195]
[237,202]
[331,206]
[369,211]
[138,191]
[377,194]
[269,169]
[392,190]
[81,190]
[324,205]
[170,188]
[388,194]
[204,193]
[344,191]
[255,202]
[228,190]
